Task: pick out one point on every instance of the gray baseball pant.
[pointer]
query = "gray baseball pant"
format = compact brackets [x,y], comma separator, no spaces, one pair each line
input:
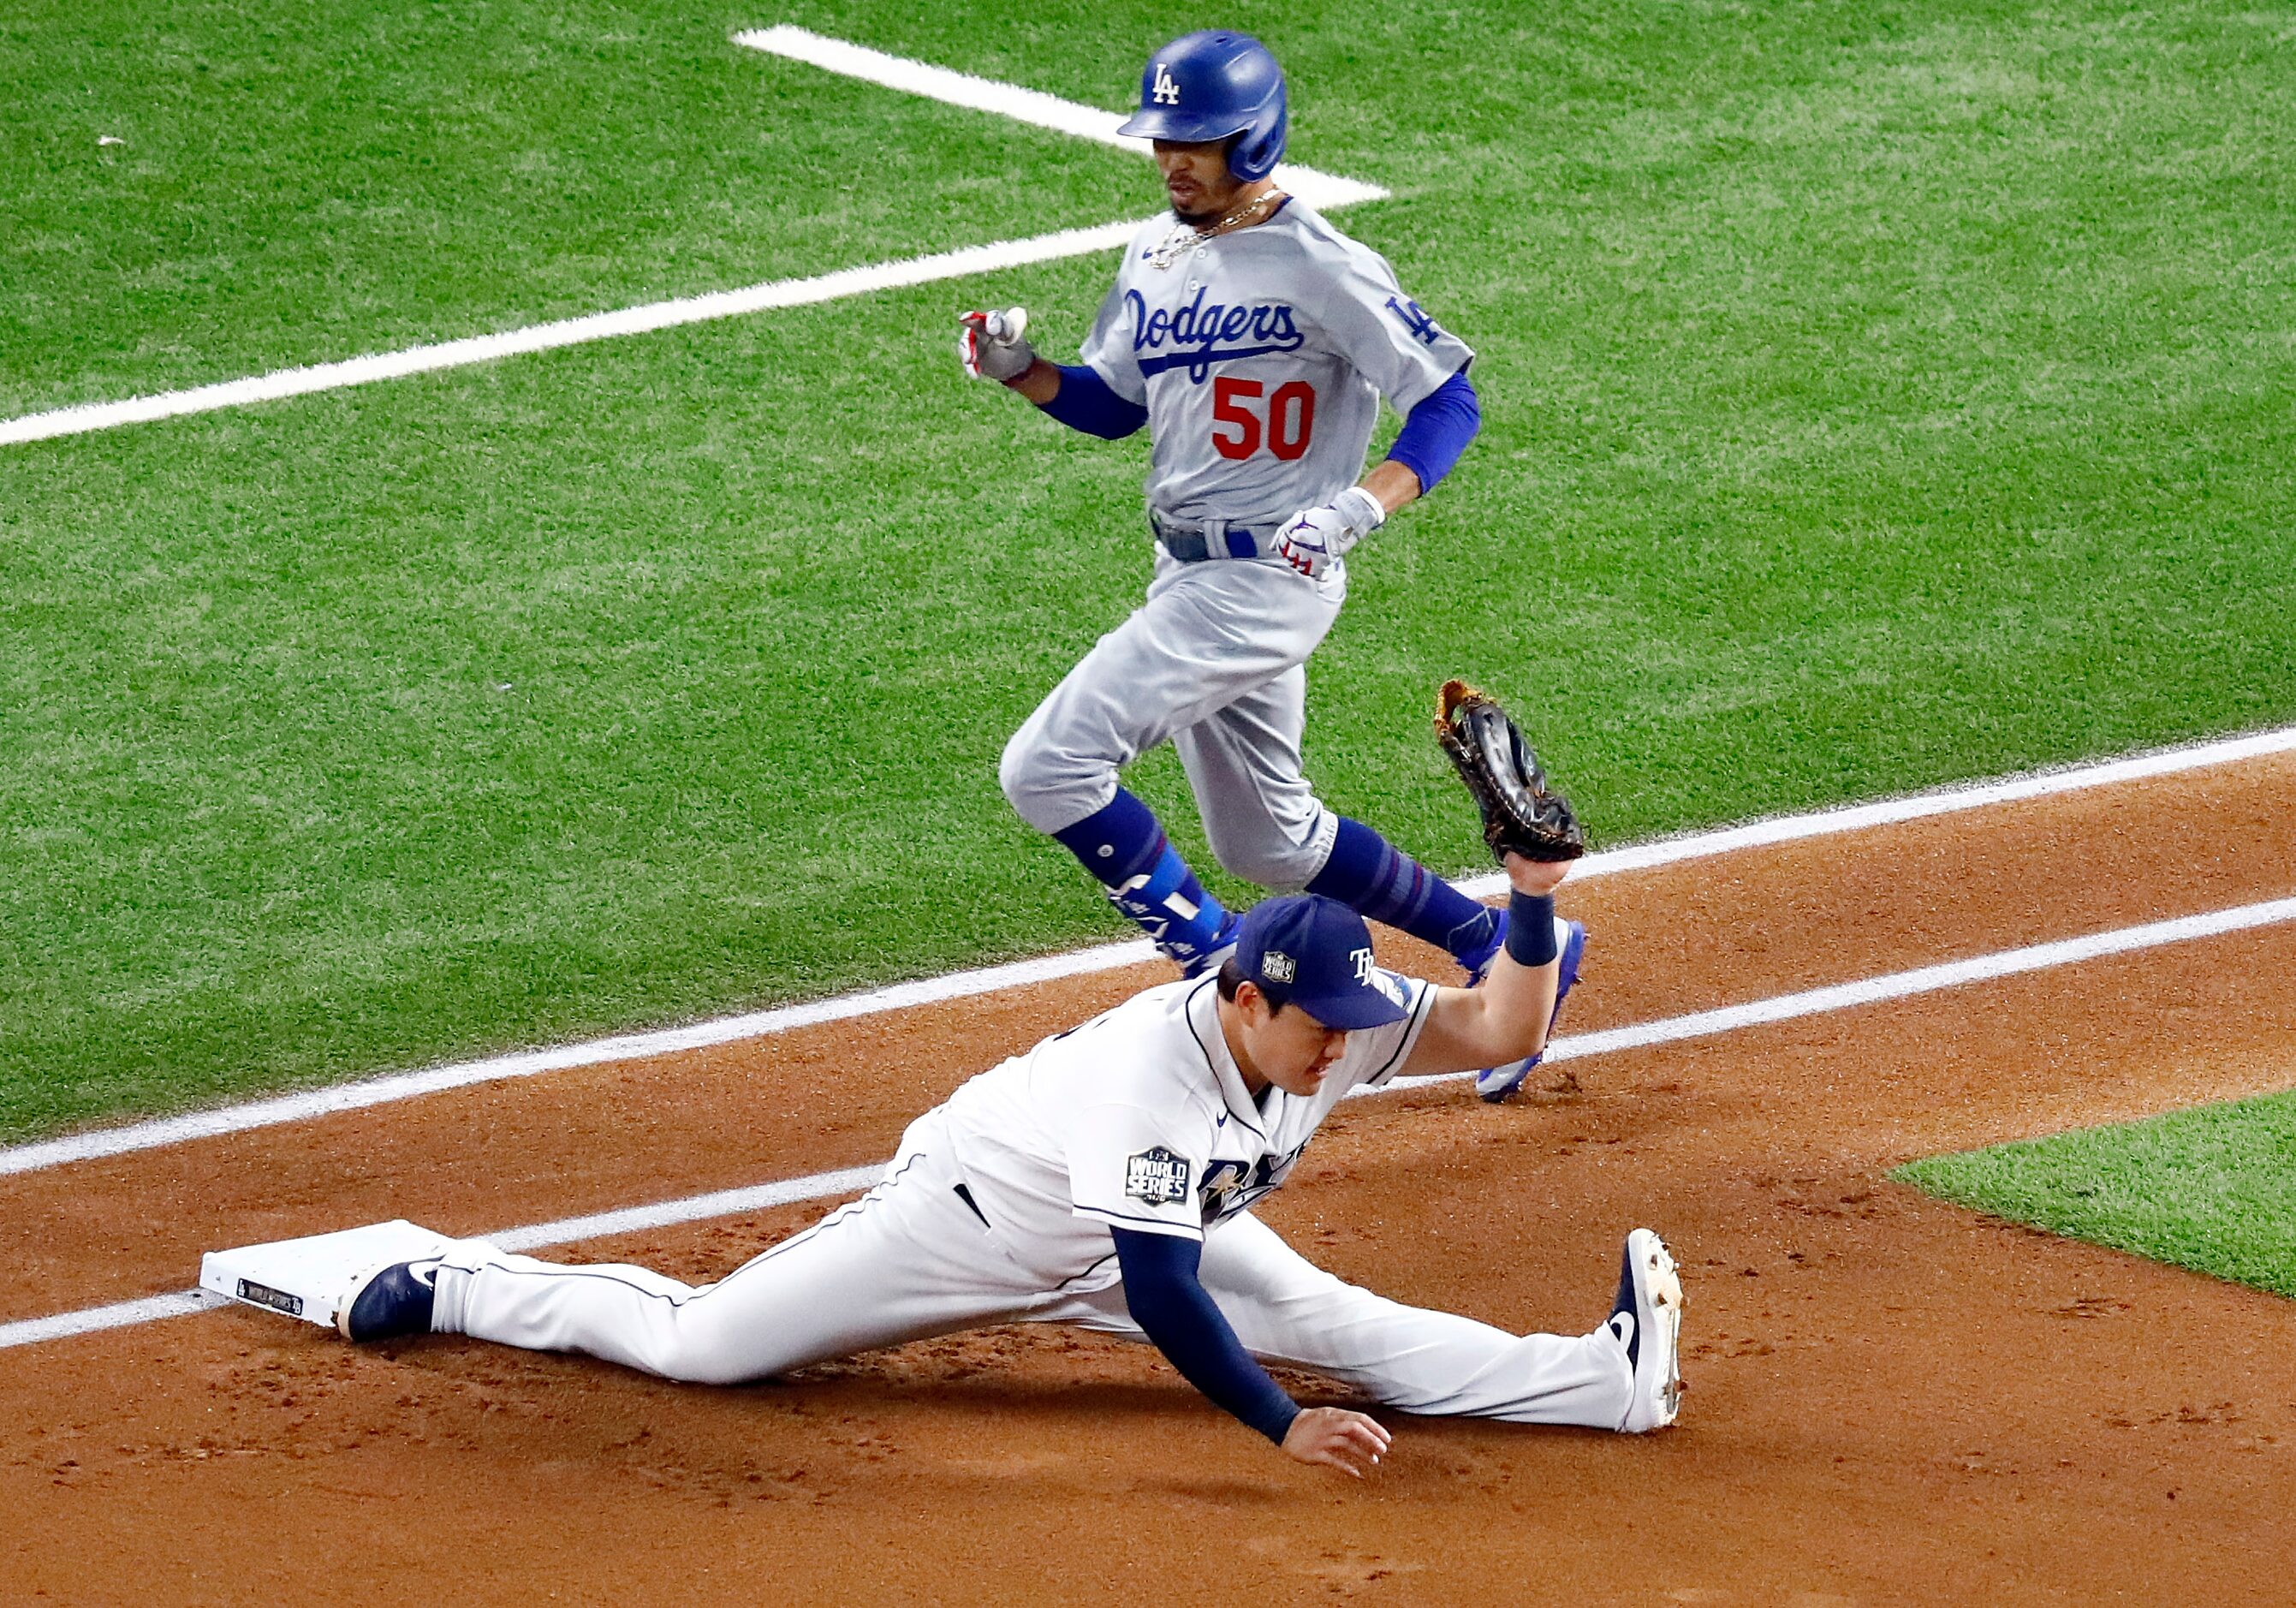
[1214,659]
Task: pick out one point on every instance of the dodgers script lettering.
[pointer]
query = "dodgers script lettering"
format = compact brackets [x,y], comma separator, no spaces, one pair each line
[1204,335]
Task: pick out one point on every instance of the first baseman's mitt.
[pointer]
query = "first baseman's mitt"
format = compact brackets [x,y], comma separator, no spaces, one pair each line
[1520,812]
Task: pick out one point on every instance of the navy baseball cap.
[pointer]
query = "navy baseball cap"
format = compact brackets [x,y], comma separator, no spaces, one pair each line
[1318,951]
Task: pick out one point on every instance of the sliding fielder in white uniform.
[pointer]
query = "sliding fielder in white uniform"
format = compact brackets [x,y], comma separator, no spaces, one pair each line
[1105,1179]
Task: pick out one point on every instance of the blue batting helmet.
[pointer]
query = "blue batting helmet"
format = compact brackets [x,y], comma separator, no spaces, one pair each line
[1209,86]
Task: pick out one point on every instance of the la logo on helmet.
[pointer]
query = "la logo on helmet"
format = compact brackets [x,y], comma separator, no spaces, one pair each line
[1167,91]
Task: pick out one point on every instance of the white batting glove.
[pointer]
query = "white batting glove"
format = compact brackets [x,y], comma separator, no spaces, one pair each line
[1313,539]
[994,346]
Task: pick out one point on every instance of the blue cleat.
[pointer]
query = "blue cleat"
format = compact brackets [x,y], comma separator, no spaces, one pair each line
[1216,953]
[393,1300]
[1495,1083]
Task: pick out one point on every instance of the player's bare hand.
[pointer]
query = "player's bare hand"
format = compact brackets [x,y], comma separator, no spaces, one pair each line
[995,346]
[1536,877]
[1350,1442]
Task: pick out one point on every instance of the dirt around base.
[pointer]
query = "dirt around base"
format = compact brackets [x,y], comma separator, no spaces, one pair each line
[1891,1400]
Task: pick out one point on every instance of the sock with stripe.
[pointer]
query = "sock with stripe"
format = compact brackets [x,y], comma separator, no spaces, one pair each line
[1385,885]
[1123,845]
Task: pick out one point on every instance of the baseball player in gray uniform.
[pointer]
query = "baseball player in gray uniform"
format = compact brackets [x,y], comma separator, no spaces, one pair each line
[1106,1178]
[1255,342]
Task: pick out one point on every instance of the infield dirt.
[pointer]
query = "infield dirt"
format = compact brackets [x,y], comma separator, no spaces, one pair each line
[1891,1400]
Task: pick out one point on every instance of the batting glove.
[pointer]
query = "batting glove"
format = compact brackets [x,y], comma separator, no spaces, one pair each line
[993,345]
[1313,539]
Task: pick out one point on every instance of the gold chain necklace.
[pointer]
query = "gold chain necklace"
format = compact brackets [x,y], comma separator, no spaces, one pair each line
[1177,244]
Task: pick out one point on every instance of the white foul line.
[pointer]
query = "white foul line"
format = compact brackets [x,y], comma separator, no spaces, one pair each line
[628,1046]
[1672,1029]
[94,1320]
[1316,188]
[1897,985]
[966,985]
[565,1231]
[569,331]
[1942,801]
[960,89]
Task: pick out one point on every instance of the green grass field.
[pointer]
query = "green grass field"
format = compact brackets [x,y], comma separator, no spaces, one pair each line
[1874,396]
[2212,1188]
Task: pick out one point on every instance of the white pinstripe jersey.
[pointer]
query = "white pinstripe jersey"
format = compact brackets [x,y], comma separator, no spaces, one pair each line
[1139,1120]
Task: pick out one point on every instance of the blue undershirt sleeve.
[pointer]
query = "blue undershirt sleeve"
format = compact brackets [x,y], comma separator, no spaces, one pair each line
[1438,431]
[1175,1312]
[1088,402]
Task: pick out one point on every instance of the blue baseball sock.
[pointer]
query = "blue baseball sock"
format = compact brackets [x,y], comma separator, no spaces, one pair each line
[1123,845]
[1382,882]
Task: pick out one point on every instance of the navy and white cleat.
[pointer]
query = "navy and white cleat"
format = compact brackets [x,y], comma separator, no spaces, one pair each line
[1647,1319]
[1495,1083]
[393,1300]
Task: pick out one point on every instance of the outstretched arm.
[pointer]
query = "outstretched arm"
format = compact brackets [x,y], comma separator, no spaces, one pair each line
[1172,1308]
[1507,1017]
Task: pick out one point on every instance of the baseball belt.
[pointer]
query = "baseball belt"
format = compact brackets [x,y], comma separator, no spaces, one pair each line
[1192,545]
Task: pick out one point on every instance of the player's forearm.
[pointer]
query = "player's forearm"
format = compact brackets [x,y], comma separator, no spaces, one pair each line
[1082,400]
[1434,435]
[1174,1312]
[1392,483]
[1518,995]
[1040,382]
[1509,1016]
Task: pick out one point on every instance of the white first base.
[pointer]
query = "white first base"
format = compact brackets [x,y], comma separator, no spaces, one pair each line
[310,1278]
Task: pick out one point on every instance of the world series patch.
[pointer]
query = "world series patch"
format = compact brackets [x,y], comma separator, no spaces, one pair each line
[1157,1176]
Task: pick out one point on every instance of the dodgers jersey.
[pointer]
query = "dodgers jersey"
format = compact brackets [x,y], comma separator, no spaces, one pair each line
[1261,355]
[1139,1120]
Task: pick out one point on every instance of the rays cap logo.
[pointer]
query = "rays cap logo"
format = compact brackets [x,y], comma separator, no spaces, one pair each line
[1326,969]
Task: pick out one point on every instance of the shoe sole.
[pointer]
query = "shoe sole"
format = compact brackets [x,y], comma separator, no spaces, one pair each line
[1658,1292]
[1574,954]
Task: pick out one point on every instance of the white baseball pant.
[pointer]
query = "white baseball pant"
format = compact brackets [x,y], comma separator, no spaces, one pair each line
[910,1260]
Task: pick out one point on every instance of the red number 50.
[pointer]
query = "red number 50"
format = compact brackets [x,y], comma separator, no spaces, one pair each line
[1291,418]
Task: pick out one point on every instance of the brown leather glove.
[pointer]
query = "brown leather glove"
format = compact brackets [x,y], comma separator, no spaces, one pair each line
[1520,812]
